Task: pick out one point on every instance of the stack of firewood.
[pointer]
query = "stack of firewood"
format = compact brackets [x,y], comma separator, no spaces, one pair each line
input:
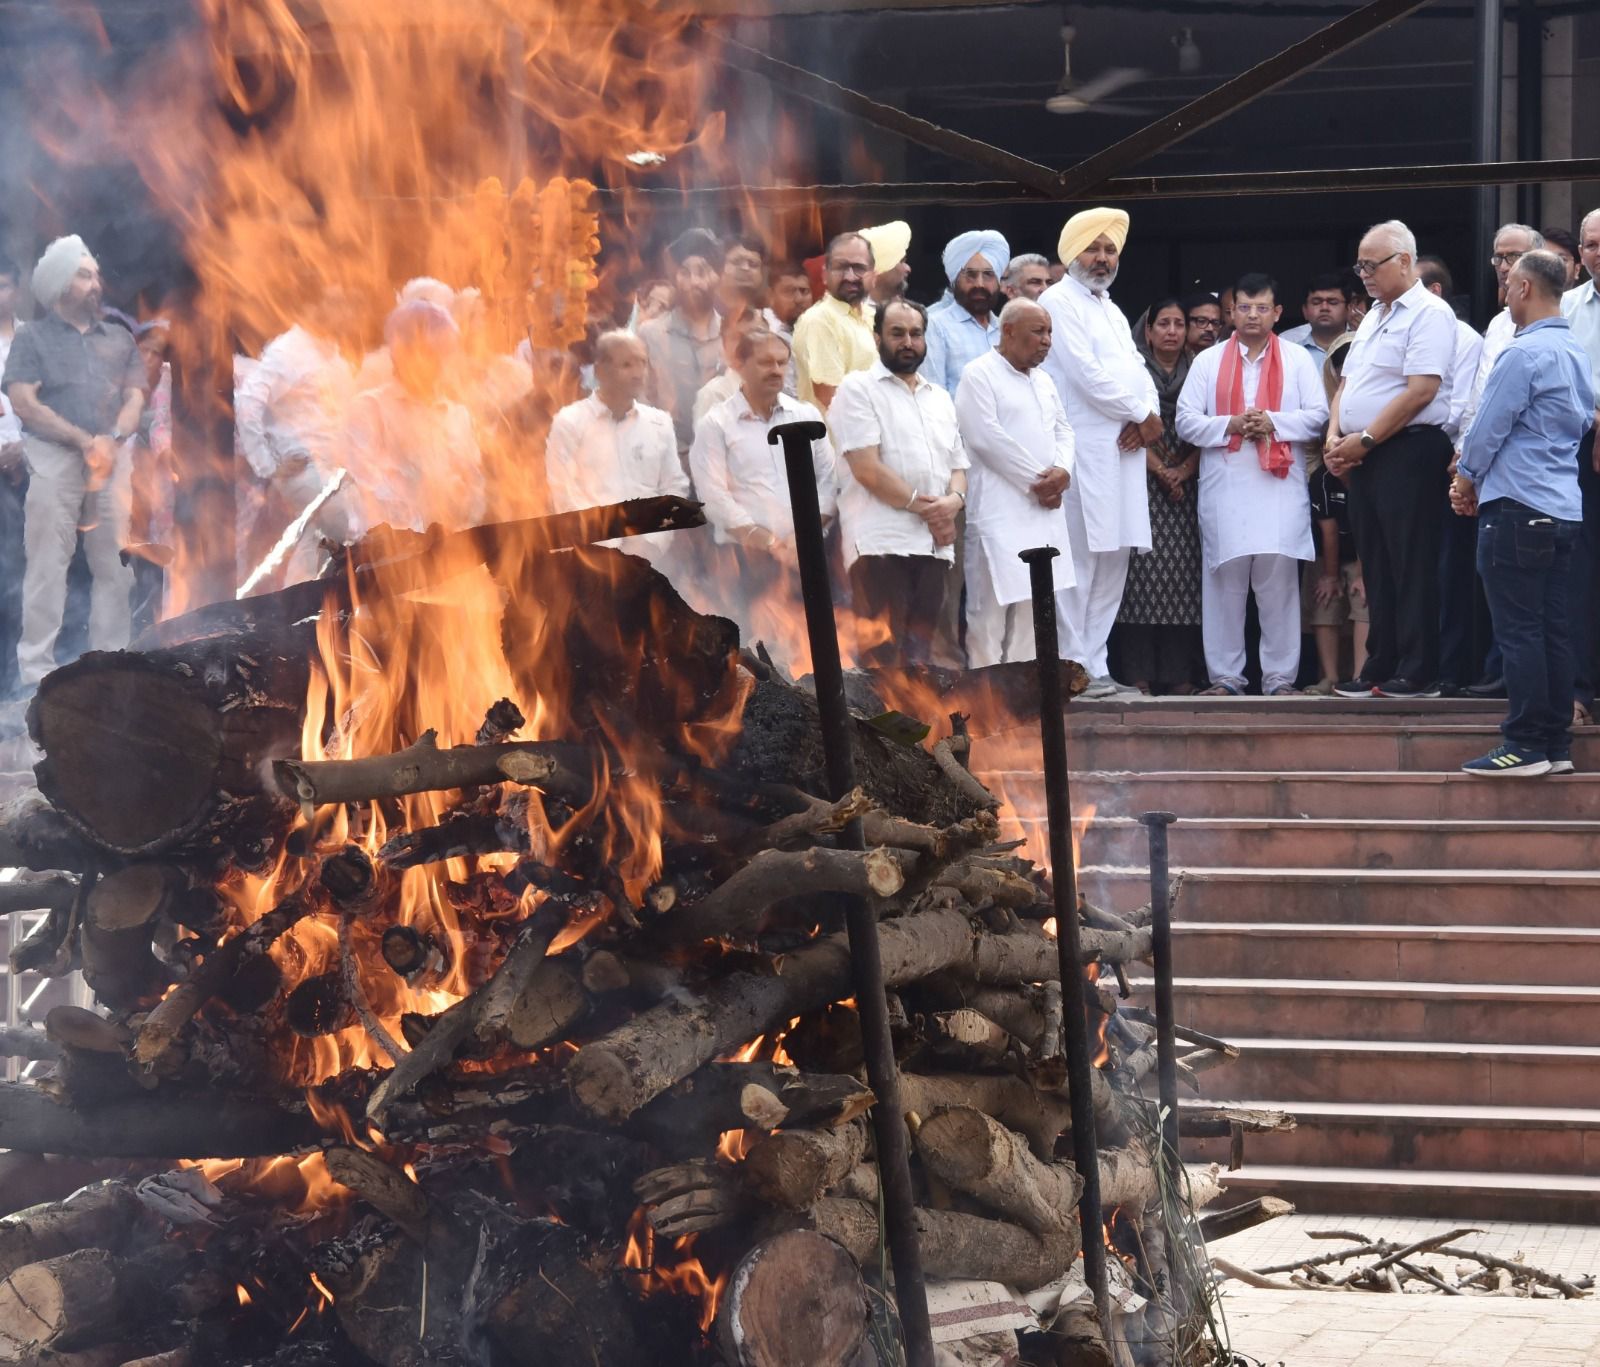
[545,1113]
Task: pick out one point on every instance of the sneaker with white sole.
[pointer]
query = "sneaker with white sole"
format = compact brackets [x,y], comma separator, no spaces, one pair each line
[1354,688]
[1107,687]
[1562,766]
[1508,762]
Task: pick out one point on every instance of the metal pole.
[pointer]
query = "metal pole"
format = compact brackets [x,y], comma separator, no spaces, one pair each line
[1064,879]
[1161,940]
[1530,105]
[1487,21]
[866,962]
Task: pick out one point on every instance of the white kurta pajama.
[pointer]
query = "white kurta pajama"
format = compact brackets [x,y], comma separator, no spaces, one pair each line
[1014,429]
[1254,527]
[1104,385]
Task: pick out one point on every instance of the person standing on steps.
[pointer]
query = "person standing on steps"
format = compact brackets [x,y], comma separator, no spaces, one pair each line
[1518,473]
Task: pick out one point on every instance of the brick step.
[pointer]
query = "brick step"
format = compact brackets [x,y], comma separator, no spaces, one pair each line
[1436,1073]
[1564,956]
[1324,1008]
[1304,711]
[1406,1137]
[1361,896]
[1415,797]
[1532,1198]
[1145,747]
[1228,842]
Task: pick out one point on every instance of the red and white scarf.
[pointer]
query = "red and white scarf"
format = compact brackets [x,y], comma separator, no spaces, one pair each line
[1275,455]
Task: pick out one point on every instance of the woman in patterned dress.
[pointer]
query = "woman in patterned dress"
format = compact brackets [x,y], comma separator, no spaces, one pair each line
[1158,625]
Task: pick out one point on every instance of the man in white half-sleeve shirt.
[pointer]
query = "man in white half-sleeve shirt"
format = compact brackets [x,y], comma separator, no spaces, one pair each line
[1251,404]
[1111,403]
[904,479]
[1387,441]
[609,447]
[1021,448]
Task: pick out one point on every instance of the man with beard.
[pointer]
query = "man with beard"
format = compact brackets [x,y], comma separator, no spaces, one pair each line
[1111,402]
[685,344]
[1022,451]
[77,384]
[903,484]
[957,336]
[890,270]
[1027,277]
[834,335]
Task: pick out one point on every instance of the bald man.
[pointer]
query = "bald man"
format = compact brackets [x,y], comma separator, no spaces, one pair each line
[610,447]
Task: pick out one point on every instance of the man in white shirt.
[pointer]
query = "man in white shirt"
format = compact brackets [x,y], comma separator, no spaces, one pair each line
[902,484]
[13,476]
[1111,404]
[1021,447]
[1387,441]
[1027,277]
[1252,404]
[788,297]
[609,447]
[1581,308]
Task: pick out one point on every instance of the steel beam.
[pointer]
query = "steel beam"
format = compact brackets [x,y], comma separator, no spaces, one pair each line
[1234,95]
[1488,20]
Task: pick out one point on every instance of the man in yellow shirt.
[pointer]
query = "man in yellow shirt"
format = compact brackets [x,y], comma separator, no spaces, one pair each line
[834,336]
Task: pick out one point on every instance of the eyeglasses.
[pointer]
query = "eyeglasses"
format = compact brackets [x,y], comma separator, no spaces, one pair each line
[1371,267]
[1506,258]
[1206,324]
[1250,310]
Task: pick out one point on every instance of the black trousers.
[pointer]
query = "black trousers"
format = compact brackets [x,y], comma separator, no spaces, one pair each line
[1585,596]
[1395,495]
[897,600]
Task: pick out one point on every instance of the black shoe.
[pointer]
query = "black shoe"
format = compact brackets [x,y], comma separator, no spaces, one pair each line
[1404,688]
[1354,688]
[1486,688]
[1451,690]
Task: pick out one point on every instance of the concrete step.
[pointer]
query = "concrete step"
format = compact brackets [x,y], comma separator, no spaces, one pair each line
[1361,896]
[1450,1074]
[1407,1137]
[1486,1195]
[1356,746]
[1324,1008]
[1229,842]
[1303,711]
[1415,797]
[1565,956]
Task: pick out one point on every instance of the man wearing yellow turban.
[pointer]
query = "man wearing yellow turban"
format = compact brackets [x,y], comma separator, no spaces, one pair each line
[1112,405]
[890,270]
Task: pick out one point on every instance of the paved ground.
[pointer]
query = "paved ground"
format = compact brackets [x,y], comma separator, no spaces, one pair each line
[1355,1329]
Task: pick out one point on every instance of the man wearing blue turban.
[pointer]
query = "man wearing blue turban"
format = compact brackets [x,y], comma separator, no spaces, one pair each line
[970,327]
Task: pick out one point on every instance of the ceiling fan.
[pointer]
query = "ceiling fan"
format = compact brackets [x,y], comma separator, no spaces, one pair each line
[1071,97]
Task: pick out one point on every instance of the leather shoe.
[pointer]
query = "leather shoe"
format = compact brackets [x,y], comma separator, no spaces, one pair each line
[1487,688]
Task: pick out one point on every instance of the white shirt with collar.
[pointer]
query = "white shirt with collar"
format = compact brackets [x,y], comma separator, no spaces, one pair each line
[1463,377]
[293,403]
[740,476]
[1496,338]
[1415,335]
[592,457]
[917,437]
[1104,385]
[779,328]
[1014,429]
[1580,306]
[1245,510]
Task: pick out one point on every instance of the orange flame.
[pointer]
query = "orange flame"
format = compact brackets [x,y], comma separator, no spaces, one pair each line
[682,1274]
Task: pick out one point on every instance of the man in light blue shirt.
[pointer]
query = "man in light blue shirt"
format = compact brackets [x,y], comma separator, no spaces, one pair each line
[1581,308]
[970,327]
[1519,472]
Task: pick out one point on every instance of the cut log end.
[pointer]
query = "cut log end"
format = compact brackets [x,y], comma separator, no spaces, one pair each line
[794,1301]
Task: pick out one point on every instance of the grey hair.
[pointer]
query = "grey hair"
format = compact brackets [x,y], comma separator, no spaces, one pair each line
[1014,310]
[1584,221]
[1018,262]
[1404,239]
[609,341]
[1534,235]
[1547,270]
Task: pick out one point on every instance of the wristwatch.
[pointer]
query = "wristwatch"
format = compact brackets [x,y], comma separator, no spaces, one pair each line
[1368,440]
[117,434]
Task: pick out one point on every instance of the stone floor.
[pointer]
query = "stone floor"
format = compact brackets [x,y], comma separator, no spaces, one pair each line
[1355,1329]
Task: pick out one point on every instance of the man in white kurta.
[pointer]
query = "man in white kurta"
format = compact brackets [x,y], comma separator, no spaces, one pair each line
[609,447]
[1021,449]
[1254,530]
[1111,403]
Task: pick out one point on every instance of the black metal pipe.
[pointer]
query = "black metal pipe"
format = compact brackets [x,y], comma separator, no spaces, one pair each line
[1530,106]
[1064,879]
[1156,824]
[866,962]
[1485,147]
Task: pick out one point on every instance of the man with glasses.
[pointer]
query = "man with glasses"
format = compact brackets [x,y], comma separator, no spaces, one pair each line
[1203,315]
[834,336]
[1387,441]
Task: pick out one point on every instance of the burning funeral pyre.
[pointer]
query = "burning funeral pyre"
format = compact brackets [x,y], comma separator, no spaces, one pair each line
[473,989]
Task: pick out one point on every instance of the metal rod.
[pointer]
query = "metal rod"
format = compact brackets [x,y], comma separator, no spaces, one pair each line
[1156,824]
[1530,104]
[1064,880]
[866,962]
[1232,96]
[1485,145]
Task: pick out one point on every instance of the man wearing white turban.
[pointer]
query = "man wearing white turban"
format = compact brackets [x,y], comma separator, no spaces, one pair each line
[957,336]
[77,384]
[1112,405]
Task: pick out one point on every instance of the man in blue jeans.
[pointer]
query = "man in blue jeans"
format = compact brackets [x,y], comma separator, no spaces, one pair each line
[1519,473]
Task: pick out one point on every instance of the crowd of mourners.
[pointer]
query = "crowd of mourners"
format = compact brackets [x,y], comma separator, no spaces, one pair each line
[1365,477]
